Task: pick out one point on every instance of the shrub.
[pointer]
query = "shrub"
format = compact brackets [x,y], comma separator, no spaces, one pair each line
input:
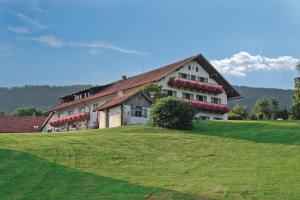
[238,113]
[172,113]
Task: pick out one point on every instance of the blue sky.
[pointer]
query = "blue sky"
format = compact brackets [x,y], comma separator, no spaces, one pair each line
[253,43]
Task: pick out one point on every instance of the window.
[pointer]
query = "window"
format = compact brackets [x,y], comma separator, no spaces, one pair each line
[189,67]
[204,117]
[193,77]
[70,112]
[216,100]
[81,110]
[58,114]
[183,75]
[218,118]
[139,111]
[95,106]
[201,98]
[187,96]
[202,79]
[197,69]
[171,93]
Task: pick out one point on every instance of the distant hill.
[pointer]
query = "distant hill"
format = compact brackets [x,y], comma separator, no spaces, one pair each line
[45,96]
[251,94]
[35,96]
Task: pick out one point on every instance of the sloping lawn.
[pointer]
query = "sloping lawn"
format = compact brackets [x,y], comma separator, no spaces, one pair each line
[217,160]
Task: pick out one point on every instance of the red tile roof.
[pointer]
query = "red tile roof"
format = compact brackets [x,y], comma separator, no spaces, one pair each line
[21,124]
[148,77]
[130,82]
[119,100]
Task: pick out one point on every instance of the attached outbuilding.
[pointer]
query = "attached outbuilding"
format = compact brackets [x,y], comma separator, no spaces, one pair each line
[125,109]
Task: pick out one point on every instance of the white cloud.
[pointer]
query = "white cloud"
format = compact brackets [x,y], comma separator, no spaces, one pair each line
[18,29]
[93,47]
[48,40]
[103,45]
[242,63]
[32,23]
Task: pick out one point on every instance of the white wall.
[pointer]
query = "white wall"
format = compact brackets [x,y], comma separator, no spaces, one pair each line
[128,119]
[114,115]
[201,72]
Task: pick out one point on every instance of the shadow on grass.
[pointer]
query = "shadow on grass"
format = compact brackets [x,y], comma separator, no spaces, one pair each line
[25,176]
[256,131]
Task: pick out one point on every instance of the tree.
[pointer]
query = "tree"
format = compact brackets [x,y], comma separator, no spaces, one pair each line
[296,97]
[266,108]
[172,113]
[2,113]
[27,112]
[238,113]
[274,107]
[154,91]
[262,109]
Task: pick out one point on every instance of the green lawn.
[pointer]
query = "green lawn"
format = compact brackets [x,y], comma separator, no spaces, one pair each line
[217,160]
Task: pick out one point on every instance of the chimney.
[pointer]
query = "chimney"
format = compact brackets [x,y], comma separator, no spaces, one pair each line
[123,78]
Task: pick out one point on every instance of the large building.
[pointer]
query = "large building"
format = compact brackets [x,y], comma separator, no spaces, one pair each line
[193,79]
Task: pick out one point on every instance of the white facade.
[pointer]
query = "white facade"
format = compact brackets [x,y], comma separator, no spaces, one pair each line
[201,73]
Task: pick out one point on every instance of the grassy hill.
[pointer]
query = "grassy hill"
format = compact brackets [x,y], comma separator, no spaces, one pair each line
[44,96]
[217,160]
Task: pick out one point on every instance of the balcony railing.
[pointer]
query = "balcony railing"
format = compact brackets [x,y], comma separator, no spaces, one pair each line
[195,85]
[213,107]
[70,119]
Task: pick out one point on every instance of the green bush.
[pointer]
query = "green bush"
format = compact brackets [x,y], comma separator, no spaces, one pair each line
[172,113]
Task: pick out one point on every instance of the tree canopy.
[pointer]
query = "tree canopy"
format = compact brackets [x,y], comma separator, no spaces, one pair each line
[27,112]
[172,113]
[238,112]
[266,108]
[296,98]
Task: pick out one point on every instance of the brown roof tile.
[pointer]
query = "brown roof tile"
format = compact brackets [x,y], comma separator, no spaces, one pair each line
[119,100]
[130,82]
[21,124]
[149,77]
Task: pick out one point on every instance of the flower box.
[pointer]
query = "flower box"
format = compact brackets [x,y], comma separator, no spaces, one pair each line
[195,85]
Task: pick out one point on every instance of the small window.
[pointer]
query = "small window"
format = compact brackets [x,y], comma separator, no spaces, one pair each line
[187,96]
[95,106]
[81,110]
[202,79]
[216,100]
[197,69]
[183,75]
[204,117]
[201,98]
[138,111]
[218,118]
[189,67]
[193,77]
[70,112]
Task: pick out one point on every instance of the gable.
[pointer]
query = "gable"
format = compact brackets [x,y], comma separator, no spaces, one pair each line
[138,100]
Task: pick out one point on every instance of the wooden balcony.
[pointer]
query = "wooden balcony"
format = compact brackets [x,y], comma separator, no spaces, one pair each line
[210,107]
[195,85]
[70,119]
